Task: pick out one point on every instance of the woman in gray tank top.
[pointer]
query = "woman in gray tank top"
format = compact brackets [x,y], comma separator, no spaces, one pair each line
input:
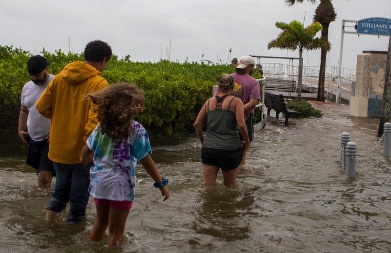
[226,140]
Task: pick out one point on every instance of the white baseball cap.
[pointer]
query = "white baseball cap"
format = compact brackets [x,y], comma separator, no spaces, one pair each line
[245,61]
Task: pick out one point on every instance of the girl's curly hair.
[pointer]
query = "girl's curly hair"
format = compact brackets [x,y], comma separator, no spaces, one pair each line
[116,106]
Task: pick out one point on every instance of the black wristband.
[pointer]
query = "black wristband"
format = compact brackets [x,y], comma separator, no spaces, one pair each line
[161,184]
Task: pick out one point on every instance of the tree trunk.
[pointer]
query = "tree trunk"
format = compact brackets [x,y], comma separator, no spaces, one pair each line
[300,75]
[385,113]
[322,68]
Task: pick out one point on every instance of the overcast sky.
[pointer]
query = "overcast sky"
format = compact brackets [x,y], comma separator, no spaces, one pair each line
[180,30]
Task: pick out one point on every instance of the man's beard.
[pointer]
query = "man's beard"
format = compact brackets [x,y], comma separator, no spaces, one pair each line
[41,81]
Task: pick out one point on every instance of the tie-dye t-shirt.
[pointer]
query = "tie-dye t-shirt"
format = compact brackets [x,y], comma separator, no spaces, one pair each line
[113,173]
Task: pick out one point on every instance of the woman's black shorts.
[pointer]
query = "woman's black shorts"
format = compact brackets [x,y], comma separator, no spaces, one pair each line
[224,159]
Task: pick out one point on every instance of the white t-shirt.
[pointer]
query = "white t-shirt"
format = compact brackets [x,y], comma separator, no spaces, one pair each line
[37,125]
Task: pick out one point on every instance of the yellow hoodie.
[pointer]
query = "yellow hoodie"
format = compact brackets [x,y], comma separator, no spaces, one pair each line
[65,102]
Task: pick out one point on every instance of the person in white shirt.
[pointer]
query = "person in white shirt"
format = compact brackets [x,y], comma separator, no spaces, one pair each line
[33,128]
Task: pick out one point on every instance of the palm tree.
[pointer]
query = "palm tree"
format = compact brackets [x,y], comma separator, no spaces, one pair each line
[324,14]
[295,37]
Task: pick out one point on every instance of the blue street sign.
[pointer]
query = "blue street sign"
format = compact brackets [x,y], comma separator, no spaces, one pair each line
[375,26]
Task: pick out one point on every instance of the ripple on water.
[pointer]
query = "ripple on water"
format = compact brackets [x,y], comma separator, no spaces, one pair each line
[292,196]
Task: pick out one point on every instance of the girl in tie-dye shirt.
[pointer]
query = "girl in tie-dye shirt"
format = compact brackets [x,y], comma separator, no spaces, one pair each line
[115,147]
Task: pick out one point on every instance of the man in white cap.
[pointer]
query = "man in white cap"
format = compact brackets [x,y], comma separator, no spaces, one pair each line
[33,128]
[249,92]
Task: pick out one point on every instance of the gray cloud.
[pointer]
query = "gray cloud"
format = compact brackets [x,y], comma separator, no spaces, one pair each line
[144,29]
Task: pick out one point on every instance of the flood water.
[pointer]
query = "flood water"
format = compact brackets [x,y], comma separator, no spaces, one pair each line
[292,196]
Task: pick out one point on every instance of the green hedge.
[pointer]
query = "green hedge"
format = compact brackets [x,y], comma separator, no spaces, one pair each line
[174,92]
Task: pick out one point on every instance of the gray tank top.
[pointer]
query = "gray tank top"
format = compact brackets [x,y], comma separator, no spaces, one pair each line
[222,130]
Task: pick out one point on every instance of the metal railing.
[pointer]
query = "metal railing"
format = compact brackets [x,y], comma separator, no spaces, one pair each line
[311,76]
[289,71]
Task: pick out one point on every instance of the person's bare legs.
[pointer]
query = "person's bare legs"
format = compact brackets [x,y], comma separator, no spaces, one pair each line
[117,221]
[101,223]
[210,175]
[50,215]
[45,179]
[230,177]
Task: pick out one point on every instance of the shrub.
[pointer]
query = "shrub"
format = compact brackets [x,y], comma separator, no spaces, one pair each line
[174,92]
[304,107]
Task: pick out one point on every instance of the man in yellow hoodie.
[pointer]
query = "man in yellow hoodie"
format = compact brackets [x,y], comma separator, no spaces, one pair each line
[72,120]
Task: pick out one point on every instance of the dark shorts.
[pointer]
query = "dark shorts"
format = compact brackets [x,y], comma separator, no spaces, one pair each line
[37,156]
[250,127]
[123,205]
[224,159]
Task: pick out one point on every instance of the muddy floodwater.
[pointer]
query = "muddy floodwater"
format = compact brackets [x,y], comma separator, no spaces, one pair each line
[292,196]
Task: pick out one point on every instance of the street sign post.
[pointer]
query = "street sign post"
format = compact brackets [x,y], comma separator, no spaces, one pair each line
[374,26]
[369,26]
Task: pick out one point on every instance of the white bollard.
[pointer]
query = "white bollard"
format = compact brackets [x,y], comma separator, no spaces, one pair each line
[351,153]
[344,140]
[387,139]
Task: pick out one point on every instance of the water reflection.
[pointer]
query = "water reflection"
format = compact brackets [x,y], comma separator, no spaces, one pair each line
[292,196]
[222,213]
